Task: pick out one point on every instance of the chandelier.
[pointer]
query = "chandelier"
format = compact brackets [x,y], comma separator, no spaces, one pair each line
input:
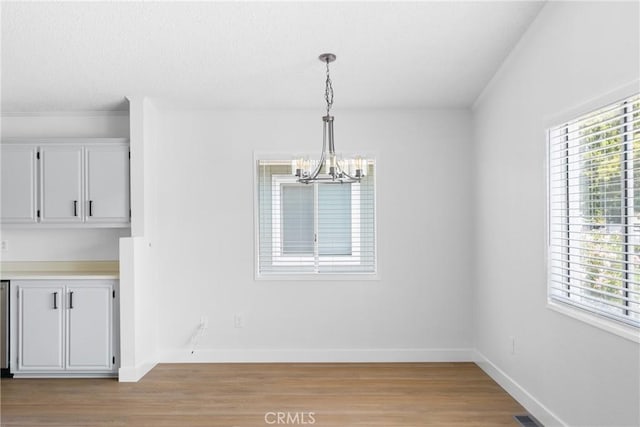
[331,168]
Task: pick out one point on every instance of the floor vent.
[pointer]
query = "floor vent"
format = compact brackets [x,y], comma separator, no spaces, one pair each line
[527,421]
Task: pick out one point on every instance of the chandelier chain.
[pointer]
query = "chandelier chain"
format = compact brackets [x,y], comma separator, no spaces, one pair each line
[328,92]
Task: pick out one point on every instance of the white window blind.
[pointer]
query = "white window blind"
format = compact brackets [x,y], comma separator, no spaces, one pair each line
[594,212]
[314,228]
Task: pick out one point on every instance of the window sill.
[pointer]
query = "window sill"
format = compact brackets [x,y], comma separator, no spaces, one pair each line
[328,277]
[627,332]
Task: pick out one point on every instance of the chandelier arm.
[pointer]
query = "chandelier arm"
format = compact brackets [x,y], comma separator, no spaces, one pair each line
[316,172]
[342,177]
[323,157]
[332,148]
[314,175]
[330,180]
[352,178]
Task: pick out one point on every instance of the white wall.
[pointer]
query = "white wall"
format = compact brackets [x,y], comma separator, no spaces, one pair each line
[99,124]
[97,244]
[63,244]
[138,284]
[566,370]
[419,310]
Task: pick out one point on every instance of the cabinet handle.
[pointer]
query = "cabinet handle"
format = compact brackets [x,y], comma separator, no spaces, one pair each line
[71,299]
[75,208]
[55,300]
[90,207]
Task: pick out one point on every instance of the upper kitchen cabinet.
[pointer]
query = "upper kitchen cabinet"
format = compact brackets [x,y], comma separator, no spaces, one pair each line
[66,182]
[19,183]
[61,183]
[107,180]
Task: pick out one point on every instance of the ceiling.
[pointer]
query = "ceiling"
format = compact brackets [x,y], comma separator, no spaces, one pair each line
[77,56]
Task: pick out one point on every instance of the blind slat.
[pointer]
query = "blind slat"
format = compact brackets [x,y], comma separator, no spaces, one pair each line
[620,132]
[633,282]
[592,282]
[601,301]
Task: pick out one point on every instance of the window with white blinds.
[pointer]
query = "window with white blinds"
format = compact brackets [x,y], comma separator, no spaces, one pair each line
[594,212]
[314,228]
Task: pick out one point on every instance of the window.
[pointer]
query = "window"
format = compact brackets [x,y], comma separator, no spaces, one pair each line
[314,229]
[594,212]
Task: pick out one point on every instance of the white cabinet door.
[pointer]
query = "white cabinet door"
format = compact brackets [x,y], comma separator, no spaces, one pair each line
[18,190]
[90,326]
[61,183]
[107,172]
[40,327]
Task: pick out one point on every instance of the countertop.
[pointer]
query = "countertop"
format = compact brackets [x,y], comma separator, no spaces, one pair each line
[59,270]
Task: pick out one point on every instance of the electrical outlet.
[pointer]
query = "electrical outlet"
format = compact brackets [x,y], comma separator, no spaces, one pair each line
[4,245]
[238,321]
[512,345]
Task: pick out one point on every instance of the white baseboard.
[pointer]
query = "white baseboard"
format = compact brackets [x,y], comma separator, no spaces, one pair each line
[315,355]
[135,373]
[530,403]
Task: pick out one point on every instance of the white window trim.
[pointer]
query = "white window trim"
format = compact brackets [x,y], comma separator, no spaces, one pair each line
[311,277]
[614,327]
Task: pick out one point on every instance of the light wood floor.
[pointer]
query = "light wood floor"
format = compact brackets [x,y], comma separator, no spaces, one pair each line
[212,395]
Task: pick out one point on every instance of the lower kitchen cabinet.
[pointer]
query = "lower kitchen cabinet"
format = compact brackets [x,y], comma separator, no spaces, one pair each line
[65,327]
[40,327]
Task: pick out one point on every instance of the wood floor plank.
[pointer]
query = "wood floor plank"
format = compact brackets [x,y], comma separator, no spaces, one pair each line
[250,395]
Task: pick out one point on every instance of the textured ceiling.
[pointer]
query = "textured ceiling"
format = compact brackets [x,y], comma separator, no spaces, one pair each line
[88,56]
